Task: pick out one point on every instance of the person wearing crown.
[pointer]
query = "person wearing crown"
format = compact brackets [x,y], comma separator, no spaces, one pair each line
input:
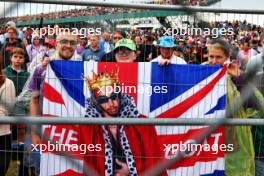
[126,150]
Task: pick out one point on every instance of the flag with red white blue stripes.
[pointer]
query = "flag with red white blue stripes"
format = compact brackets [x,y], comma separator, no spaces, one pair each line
[173,91]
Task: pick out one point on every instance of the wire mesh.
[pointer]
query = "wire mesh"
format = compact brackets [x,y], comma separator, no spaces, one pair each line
[136,20]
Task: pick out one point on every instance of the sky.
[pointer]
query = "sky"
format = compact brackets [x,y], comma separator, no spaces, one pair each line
[243,4]
[26,8]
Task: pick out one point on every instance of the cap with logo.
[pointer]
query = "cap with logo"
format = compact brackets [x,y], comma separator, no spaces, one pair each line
[127,43]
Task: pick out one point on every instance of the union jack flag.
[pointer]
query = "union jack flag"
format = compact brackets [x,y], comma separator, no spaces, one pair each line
[173,91]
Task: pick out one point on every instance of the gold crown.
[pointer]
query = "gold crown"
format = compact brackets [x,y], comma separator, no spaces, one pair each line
[103,79]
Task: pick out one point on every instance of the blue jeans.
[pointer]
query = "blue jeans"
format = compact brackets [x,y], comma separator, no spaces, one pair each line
[259,167]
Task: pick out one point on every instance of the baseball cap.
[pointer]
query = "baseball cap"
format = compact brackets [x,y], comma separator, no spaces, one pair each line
[126,43]
[51,42]
[10,23]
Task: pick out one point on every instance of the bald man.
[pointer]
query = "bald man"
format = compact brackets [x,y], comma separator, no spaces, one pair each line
[66,44]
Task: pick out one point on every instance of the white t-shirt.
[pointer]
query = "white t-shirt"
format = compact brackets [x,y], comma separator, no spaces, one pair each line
[7,101]
[173,59]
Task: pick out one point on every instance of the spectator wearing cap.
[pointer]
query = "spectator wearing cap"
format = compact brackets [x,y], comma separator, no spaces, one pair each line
[109,57]
[12,41]
[178,51]
[166,46]
[181,42]
[20,34]
[125,51]
[35,48]
[94,52]
[189,56]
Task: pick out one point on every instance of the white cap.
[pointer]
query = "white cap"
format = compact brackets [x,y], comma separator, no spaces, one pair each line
[24,29]
[11,23]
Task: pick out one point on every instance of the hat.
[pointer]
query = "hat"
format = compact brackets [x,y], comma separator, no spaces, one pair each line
[26,28]
[181,40]
[126,43]
[166,42]
[11,23]
[51,42]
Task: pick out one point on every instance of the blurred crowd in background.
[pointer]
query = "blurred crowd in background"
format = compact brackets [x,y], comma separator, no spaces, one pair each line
[94,11]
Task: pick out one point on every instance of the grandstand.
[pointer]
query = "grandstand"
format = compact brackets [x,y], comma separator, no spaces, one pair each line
[110,17]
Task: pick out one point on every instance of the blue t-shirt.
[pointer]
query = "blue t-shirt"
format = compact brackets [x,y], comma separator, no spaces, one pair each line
[90,54]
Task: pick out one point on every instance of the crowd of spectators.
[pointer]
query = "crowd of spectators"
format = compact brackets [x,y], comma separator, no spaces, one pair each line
[24,54]
[182,2]
[92,11]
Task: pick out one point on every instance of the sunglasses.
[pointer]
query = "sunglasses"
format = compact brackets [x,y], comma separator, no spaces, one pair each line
[105,99]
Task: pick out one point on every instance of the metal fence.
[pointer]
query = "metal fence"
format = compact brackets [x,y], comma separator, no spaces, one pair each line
[196,16]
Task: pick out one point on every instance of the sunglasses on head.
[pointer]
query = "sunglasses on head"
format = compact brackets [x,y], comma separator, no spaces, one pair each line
[105,99]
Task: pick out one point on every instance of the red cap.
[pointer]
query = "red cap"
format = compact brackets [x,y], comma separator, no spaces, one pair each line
[51,42]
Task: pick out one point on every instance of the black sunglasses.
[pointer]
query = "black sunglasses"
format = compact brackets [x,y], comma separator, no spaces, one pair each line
[105,99]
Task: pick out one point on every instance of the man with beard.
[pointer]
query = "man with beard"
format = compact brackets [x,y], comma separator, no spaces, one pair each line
[65,50]
[126,150]
[66,44]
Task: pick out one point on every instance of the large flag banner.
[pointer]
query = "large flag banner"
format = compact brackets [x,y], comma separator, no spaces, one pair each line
[173,91]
